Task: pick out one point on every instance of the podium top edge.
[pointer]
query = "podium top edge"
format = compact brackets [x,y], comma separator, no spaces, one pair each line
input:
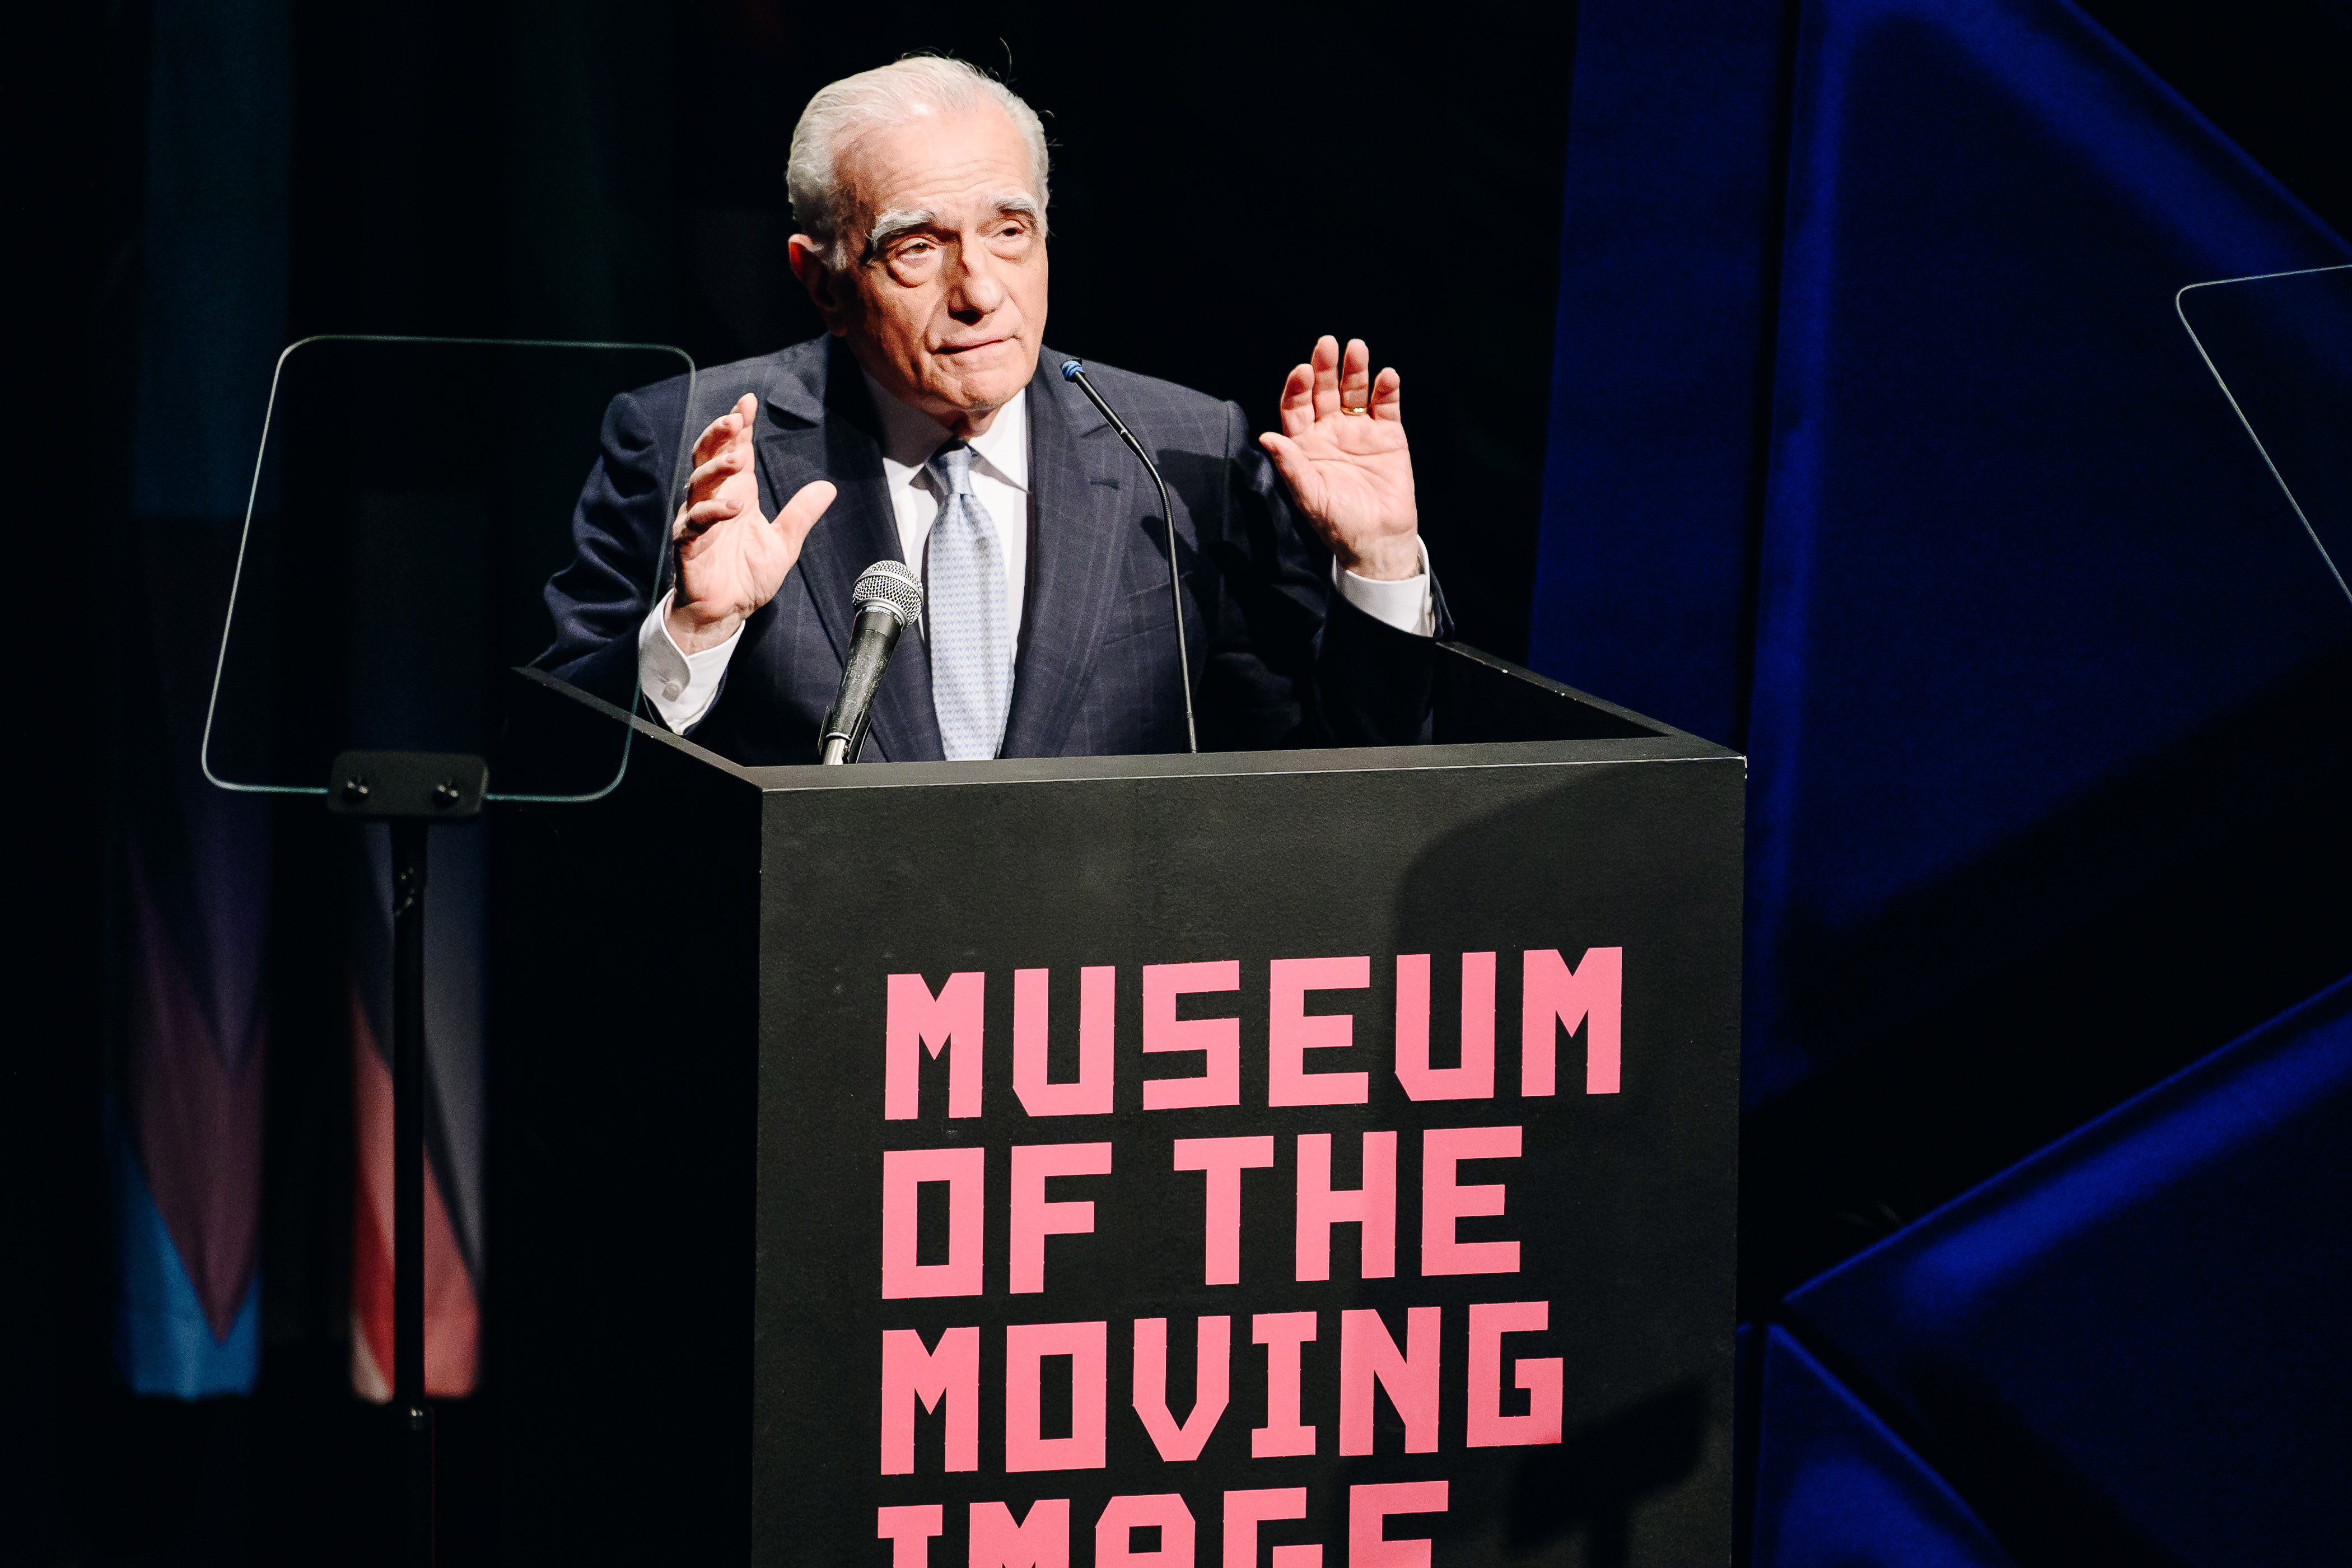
[1663,744]
[1238,765]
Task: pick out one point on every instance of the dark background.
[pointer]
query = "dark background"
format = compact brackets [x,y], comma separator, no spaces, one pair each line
[1226,187]
[1230,181]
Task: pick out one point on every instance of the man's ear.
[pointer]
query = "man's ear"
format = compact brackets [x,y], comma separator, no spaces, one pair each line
[827,289]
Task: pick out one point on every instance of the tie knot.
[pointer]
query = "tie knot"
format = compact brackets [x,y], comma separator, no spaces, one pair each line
[952,465]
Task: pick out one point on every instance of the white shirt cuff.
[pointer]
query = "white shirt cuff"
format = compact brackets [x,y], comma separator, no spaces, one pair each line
[1407,604]
[680,686]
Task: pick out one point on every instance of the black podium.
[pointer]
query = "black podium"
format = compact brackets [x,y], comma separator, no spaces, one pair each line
[1290,1158]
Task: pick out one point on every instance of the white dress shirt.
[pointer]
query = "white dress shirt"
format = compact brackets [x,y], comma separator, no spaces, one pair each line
[682,686]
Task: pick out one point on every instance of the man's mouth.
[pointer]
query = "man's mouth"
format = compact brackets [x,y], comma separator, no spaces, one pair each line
[967,348]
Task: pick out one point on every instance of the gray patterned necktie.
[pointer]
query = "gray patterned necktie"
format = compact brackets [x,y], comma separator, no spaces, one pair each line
[964,614]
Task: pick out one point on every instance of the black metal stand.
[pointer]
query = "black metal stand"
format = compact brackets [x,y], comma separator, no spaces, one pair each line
[409,839]
[409,790]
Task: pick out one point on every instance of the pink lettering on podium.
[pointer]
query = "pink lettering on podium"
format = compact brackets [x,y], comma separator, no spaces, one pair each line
[1212,1384]
[1282,1334]
[949,1371]
[1026,1346]
[1368,1355]
[917,1021]
[1370,1207]
[1123,1516]
[1245,1510]
[1368,1510]
[908,1530]
[1445,1200]
[1090,1095]
[1488,1426]
[1556,997]
[1292,1031]
[1475,1078]
[1034,1218]
[1221,1160]
[1219,1040]
[1039,1540]
[904,1172]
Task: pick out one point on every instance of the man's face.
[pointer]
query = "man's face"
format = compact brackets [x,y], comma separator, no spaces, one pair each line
[943,299]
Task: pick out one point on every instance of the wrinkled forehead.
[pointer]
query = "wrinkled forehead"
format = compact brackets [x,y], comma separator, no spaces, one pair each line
[959,165]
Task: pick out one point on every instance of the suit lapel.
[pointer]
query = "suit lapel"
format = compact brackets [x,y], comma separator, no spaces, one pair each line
[826,431]
[1075,583]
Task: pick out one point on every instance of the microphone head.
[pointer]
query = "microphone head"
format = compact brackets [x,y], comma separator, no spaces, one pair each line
[890,585]
[1071,367]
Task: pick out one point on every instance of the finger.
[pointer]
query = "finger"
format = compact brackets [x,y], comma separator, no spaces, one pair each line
[714,438]
[1326,375]
[801,513]
[721,431]
[1356,375]
[739,420]
[710,475]
[1306,486]
[1299,401]
[1388,401]
[703,513]
[726,429]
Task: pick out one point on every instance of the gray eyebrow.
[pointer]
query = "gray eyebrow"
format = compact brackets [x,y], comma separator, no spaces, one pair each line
[1021,202]
[891,225]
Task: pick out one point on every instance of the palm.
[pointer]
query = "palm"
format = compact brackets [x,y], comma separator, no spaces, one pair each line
[1358,474]
[732,559]
[1343,452]
[739,561]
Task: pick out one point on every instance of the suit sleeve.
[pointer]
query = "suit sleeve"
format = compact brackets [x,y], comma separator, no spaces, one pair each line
[1290,662]
[600,599]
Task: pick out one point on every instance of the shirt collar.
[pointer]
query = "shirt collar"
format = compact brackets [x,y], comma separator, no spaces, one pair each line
[909,435]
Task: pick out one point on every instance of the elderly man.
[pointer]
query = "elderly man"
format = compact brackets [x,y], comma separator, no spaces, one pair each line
[920,428]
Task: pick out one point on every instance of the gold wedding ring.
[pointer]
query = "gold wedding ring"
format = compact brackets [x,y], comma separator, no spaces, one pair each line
[1345,409]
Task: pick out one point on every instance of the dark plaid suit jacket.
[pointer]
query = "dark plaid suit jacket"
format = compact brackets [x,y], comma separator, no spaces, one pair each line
[1278,658]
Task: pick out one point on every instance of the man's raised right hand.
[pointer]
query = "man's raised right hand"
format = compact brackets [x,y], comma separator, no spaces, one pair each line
[731,560]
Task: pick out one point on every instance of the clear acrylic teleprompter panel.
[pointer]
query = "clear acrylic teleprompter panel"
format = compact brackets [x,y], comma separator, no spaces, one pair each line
[412,498]
[2281,347]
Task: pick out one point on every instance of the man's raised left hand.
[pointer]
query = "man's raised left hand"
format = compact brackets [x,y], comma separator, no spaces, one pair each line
[1342,451]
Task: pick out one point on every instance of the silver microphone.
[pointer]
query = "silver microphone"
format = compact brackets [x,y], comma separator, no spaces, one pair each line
[888,598]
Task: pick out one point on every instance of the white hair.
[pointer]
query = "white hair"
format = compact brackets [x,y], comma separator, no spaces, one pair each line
[878,98]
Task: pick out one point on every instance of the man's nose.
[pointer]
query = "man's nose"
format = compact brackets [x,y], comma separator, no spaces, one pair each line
[975,289]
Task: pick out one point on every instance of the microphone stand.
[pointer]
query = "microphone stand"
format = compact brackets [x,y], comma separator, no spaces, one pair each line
[1074,371]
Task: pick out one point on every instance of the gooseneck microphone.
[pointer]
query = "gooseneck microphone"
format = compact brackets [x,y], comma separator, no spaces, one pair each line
[1076,371]
[888,597]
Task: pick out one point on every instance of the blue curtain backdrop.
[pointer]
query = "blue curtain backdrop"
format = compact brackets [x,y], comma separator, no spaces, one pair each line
[1877,450]
[184,1120]
[2128,1348]
[184,1124]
